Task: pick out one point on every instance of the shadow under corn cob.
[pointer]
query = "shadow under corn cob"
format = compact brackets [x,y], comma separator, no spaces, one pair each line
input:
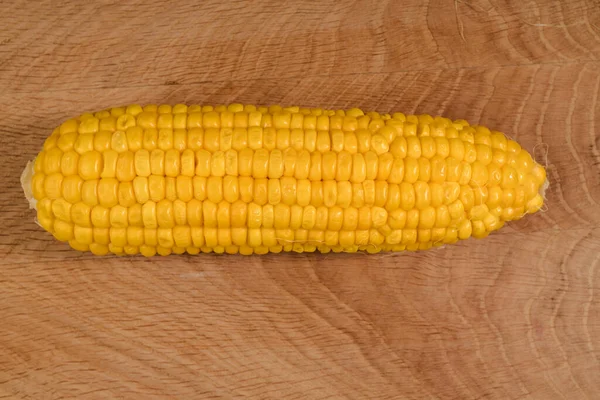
[247,179]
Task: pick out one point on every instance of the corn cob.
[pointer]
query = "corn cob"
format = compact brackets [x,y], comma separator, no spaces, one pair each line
[245,179]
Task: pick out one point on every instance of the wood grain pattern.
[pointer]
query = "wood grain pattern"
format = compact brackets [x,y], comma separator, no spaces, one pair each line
[513,316]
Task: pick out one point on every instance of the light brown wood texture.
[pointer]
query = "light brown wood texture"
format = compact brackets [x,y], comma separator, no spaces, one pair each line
[512,316]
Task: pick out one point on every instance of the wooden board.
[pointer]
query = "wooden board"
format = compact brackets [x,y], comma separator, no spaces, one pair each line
[513,316]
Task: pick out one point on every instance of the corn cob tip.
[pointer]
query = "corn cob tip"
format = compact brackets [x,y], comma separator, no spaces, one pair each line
[26,177]
[543,188]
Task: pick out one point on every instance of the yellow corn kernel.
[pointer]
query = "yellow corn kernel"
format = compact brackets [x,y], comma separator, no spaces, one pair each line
[71,188]
[69,163]
[238,214]
[350,143]
[165,139]
[304,218]
[479,174]
[164,120]
[209,214]
[149,215]
[157,162]
[141,189]
[107,123]
[344,166]
[329,193]
[199,187]
[125,170]
[479,229]
[135,236]
[194,117]
[142,163]
[260,163]
[407,196]
[288,190]
[180,212]
[422,195]
[273,191]
[52,160]
[50,143]
[53,185]
[157,187]
[119,141]
[411,170]
[217,167]
[512,147]
[61,209]
[484,153]
[437,194]
[275,164]
[315,168]
[39,162]
[125,121]
[81,214]
[211,119]
[302,165]
[147,119]
[118,217]
[510,178]
[82,235]
[451,192]
[381,193]
[184,187]
[223,215]
[466,173]
[135,136]
[282,140]
[63,231]
[540,173]
[438,169]
[344,194]
[172,163]
[66,141]
[109,164]
[363,140]
[108,192]
[134,214]
[118,238]
[467,197]
[534,204]
[126,194]
[165,214]
[456,210]
[188,163]
[254,215]
[379,144]
[316,191]
[68,126]
[150,139]
[89,192]
[321,218]
[465,230]
[37,185]
[100,217]
[214,186]
[296,191]
[90,165]
[457,149]
[424,169]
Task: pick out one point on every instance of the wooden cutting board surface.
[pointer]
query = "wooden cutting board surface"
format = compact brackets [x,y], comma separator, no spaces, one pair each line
[513,316]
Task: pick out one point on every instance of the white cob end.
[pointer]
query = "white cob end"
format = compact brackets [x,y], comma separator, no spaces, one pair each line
[26,177]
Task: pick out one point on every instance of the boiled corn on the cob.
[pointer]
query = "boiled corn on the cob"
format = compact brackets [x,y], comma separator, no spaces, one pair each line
[246,179]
